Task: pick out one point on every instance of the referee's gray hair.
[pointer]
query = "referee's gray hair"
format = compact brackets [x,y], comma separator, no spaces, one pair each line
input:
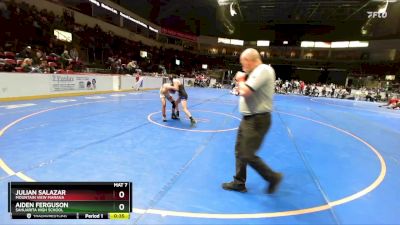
[251,54]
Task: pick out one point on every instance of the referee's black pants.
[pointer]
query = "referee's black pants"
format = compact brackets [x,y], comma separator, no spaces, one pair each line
[250,136]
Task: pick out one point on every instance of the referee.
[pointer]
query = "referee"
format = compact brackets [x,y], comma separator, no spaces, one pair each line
[256,88]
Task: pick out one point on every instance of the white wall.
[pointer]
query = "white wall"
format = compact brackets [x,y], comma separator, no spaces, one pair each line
[152,82]
[127,82]
[14,85]
[29,84]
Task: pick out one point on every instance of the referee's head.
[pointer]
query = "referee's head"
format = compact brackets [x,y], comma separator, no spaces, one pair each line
[250,59]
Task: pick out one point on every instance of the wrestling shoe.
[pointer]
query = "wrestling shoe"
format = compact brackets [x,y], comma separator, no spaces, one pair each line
[192,121]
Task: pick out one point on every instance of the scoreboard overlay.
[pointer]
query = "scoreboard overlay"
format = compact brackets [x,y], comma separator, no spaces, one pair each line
[70,200]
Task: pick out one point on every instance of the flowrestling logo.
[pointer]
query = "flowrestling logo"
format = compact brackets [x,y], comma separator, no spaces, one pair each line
[381,13]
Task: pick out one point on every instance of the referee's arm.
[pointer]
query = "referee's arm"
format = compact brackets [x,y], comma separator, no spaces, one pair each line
[244,90]
[253,83]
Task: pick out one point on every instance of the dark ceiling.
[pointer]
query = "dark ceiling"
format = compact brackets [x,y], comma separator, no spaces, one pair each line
[194,16]
[261,19]
[285,11]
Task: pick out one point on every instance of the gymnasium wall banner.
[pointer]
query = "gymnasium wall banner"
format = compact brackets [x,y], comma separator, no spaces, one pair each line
[179,34]
[60,82]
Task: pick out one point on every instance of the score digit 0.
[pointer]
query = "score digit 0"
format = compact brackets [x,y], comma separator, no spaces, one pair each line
[121,194]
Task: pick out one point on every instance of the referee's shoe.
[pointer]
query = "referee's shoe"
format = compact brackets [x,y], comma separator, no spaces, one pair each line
[233,186]
[274,183]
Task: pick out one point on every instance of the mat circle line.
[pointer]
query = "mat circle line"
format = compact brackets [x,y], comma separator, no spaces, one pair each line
[193,130]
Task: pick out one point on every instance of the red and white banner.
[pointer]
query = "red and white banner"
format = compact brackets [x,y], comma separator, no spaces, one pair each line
[179,34]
